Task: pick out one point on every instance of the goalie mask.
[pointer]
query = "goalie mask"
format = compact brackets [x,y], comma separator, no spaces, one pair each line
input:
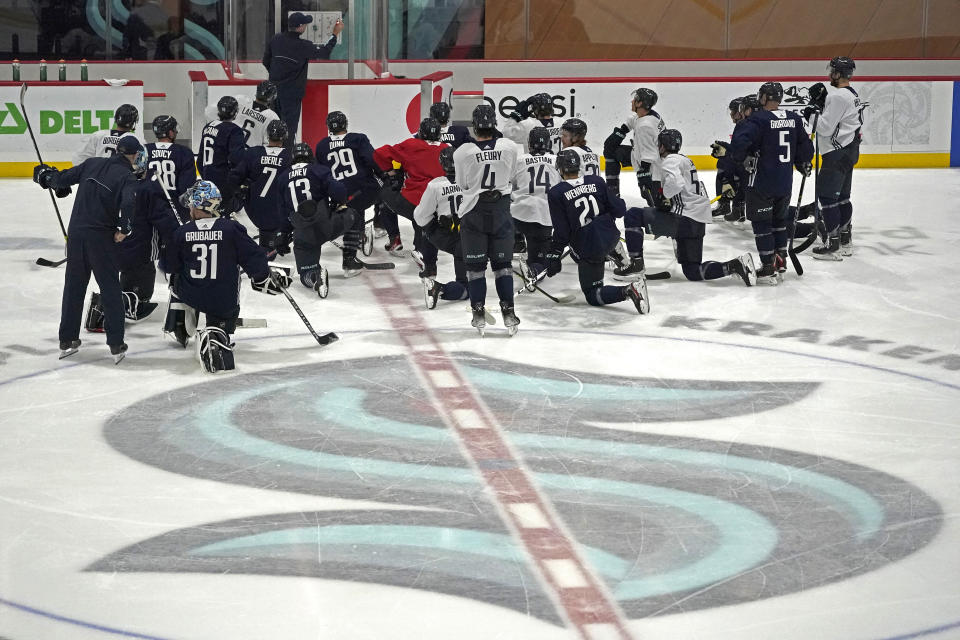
[203,195]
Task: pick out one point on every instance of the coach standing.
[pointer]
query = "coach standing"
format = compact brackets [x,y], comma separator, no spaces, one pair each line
[286,58]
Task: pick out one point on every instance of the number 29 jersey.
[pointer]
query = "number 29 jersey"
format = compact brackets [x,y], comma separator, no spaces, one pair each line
[486,165]
[349,156]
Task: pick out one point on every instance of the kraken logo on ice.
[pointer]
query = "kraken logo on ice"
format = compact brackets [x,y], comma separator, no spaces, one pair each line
[670,523]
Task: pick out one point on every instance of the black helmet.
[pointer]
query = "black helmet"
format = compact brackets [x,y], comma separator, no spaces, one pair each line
[749,102]
[541,105]
[484,117]
[126,116]
[670,139]
[772,90]
[842,66]
[429,129]
[646,98]
[736,105]
[568,161]
[446,161]
[576,127]
[440,111]
[277,130]
[227,108]
[539,141]
[266,92]
[337,121]
[302,153]
[163,125]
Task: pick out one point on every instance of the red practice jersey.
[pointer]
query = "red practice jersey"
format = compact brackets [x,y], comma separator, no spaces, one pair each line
[420,161]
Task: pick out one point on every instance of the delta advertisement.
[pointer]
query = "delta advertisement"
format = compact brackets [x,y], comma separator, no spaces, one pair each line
[907,123]
[61,115]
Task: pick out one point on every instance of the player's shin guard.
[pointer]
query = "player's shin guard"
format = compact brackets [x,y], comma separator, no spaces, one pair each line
[477,286]
[503,281]
[94,319]
[214,349]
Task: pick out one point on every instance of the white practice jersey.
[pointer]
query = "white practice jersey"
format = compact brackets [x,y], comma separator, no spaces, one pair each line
[589,162]
[841,119]
[254,124]
[440,198]
[646,130]
[531,181]
[684,189]
[519,132]
[100,144]
[485,166]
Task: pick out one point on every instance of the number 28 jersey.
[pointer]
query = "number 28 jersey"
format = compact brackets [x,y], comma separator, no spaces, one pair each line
[173,164]
[482,166]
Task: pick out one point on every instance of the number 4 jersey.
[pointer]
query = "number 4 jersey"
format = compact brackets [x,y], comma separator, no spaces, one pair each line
[486,165]
[206,255]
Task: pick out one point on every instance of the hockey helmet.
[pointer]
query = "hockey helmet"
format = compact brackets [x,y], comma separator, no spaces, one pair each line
[772,91]
[645,98]
[735,105]
[163,125]
[568,161]
[266,92]
[541,105]
[429,130]
[227,108]
[440,111]
[302,153]
[539,141]
[670,140]
[126,116]
[203,195]
[842,66]
[277,130]
[484,117]
[336,122]
[446,161]
[750,103]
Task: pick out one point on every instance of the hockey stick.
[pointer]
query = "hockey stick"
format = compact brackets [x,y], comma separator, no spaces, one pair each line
[43,262]
[564,299]
[326,338]
[793,232]
[252,323]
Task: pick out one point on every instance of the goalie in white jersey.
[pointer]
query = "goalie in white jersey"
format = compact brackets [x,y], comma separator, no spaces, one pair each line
[682,213]
[103,143]
[839,125]
[484,170]
[536,173]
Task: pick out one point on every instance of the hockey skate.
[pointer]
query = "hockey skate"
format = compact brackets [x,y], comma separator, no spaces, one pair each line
[322,284]
[780,261]
[829,250]
[722,209]
[637,292]
[846,241]
[67,349]
[510,319]
[134,309]
[633,271]
[118,351]
[431,292]
[394,247]
[768,275]
[479,321]
[744,267]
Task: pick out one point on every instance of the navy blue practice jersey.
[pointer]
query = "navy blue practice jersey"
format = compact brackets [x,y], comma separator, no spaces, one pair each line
[262,168]
[310,182]
[778,141]
[349,156]
[221,146]
[583,212]
[455,135]
[154,224]
[206,255]
[173,165]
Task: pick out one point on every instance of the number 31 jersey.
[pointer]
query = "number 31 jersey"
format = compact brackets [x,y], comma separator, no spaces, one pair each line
[349,156]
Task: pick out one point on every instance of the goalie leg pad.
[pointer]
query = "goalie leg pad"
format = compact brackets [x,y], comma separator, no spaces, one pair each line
[214,350]
[94,320]
[181,322]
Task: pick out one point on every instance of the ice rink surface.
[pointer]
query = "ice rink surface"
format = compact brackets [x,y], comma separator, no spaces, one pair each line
[768,462]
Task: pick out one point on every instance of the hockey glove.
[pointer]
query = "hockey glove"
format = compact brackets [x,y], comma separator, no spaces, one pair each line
[42,173]
[818,95]
[239,198]
[275,282]
[552,258]
[664,204]
[727,191]
[395,179]
[805,168]
[808,112]
[279,241]
[63,192]
[718,149]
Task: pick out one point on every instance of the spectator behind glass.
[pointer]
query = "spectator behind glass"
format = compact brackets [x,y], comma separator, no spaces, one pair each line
[148,22]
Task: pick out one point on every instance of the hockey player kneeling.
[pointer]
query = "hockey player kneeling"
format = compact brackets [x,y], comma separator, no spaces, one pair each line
[204,261]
